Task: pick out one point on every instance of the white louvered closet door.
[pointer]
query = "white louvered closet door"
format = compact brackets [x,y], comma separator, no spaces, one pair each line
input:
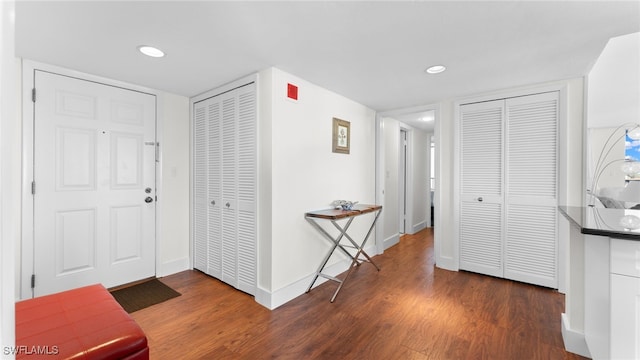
[200,193]
[214,187]
[225,164]
[531,189]
[229,190]
[481,192]
[247,165]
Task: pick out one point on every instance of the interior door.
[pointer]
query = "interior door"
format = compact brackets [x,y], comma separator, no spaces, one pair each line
[482,184]
[94,176]
[531,246]
[224,183]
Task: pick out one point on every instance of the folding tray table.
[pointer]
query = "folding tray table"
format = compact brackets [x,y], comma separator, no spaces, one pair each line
[335,215]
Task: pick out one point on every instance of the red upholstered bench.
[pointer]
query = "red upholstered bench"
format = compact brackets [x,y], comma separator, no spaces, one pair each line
[84,323]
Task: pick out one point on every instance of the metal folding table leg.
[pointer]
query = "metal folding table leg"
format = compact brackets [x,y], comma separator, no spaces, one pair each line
[336,244]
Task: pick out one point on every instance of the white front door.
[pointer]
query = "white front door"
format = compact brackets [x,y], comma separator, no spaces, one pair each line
[94,175]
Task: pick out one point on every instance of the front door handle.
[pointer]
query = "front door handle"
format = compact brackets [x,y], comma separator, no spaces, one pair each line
[148,199]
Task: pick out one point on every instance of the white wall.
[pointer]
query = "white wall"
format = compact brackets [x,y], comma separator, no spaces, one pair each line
[614,84]
[306,175]
[613,87]
[173,207]
[444,244]
[9,177]
[391,202]
[421,199]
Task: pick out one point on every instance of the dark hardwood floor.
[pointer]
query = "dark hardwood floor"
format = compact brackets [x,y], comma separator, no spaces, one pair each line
[408,310]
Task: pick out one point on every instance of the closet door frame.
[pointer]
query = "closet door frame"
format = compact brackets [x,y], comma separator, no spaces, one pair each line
[192,101]
[561,88]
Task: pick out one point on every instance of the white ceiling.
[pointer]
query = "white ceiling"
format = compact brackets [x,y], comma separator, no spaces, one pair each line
[372,52]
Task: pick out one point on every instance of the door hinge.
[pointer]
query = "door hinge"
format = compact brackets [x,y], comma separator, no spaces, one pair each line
[33,94]
[33,281]
[33,188]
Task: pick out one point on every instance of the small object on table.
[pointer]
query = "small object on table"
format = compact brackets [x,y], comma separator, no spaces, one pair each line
[343,204]
[334,215]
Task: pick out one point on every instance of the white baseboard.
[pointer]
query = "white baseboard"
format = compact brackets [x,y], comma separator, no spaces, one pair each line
[172,267]
[574,341]
[390,241]
[418,227]
[272,300]
[446,263]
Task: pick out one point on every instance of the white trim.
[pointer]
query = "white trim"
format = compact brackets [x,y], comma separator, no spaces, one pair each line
[26,263]
[574,341]
[9,194]
[159,162]
[391,240]
[380,182]
[405,189]
[443,262]
[173,267]
[420,226]
[456,184]
[253,78]
[28,77]
[272,300]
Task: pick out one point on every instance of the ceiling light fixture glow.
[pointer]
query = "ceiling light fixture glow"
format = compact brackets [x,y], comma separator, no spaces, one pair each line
[436,69]
[151,51]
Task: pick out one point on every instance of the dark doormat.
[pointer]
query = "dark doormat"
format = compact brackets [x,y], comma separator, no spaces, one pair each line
[140,296]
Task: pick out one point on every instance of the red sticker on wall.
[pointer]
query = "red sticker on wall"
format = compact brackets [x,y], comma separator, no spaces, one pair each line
[292,91]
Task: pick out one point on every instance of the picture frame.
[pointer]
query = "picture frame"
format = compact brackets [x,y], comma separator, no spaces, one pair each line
[341,136]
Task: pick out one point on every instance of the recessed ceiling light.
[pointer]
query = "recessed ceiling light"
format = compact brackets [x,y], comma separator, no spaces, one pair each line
[436,69]
[151,51]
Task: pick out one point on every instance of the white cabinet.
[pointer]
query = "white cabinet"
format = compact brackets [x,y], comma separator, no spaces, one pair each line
[508,188]
[625,299]
[224,187]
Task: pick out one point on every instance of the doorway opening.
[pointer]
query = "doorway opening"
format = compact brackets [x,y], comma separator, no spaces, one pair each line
[405,173]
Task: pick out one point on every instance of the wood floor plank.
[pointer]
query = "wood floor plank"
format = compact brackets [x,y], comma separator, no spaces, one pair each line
[408,310]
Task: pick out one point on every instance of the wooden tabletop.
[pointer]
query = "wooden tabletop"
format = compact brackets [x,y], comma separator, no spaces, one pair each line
[334,214]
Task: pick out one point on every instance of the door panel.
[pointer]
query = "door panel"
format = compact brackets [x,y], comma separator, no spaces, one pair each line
[94,156]
[481,196]
[75,241]
[531,189]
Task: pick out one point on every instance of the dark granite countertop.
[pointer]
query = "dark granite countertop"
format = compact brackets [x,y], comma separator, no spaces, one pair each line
[601,221]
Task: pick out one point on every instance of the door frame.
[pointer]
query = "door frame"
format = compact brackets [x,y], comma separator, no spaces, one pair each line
[563,159]
[404,178]
[26,251]
[245,80]
[380,170]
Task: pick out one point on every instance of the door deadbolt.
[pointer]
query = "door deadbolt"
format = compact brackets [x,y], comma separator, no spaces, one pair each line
[147,190]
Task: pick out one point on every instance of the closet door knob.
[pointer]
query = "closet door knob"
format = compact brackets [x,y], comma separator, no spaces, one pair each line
[213,202]
[480,199]
[228,205]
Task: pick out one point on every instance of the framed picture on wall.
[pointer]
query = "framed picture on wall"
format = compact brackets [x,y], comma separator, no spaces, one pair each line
[341,136]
